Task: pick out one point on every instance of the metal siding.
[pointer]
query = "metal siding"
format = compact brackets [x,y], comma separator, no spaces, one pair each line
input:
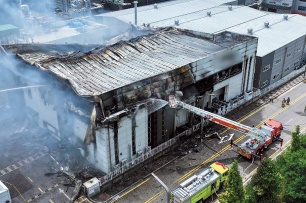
[125,138]
[102,154]
[182,117]
[257,73]
[265,76]
[234,87]
[288,59]
[141,129]
[277,68]
[211,65]
[298,50]
[169,121]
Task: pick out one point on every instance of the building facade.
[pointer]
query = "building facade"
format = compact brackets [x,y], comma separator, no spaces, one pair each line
[120,107]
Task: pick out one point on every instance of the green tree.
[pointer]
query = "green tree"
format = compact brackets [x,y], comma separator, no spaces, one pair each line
[292,166]
[266,183]
[296,139]
[234,191]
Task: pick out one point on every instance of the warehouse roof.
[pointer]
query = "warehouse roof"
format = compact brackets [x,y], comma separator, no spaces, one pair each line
[279,33]
[106,69]
[166,10]
[237,19]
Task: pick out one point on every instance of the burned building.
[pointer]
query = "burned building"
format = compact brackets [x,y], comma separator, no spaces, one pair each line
[119,106]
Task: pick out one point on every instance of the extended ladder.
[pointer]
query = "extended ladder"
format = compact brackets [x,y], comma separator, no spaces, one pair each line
[252,132]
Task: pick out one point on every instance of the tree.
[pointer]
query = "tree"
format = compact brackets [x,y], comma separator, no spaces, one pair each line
[234,191]
[295,141]
[266,183]
[291,165]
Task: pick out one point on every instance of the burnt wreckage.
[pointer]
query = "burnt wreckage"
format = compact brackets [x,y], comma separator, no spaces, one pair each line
[129,83]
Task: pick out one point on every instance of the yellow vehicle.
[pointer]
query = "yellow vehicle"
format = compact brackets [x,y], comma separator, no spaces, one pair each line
[199,187]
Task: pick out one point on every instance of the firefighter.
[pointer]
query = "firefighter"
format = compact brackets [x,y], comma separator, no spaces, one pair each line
[288,100]
[283,104]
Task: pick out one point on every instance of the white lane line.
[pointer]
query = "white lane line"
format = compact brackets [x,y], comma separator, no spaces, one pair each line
[30,179]
[62,191]
[289,120]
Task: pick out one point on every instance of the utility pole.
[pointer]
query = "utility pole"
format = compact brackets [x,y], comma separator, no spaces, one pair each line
[164,185]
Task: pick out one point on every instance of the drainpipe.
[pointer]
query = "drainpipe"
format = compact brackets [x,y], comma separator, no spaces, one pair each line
[135,11]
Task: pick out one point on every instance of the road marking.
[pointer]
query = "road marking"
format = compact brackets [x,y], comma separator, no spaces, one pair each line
[143,182]
[224,149]
[47,190]
[40,190]
[62,191]
[30,179]
[51,201]
[289,121]
[21,163]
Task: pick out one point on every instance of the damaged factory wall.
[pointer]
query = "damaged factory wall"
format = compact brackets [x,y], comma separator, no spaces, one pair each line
[121,140]
[40,110]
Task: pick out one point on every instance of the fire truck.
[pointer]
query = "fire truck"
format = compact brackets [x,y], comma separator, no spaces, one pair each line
[260,138]
[272,131]
[201,186]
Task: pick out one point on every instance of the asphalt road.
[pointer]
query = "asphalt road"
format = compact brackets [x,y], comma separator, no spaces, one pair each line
[210,150]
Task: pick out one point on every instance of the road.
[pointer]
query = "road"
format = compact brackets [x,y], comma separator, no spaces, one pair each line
[210,150]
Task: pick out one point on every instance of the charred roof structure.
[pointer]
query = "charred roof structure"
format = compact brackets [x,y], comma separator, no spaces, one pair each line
[119,105]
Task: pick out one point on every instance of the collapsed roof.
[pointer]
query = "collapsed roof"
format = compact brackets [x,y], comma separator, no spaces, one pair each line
[108,68]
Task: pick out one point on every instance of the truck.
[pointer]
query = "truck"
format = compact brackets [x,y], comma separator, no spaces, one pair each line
[260,138]
[272,131]
[5,196]
[199,187]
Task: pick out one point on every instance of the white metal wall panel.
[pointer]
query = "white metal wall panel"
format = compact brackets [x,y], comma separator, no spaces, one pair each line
[181,117]
[233,86]
[45,111]
[103,149]
[141,129]
[125,139]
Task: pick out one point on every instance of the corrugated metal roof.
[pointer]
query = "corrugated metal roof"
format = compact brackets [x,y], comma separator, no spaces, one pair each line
[280,31]
[239,19]
[124,63]
[148,14]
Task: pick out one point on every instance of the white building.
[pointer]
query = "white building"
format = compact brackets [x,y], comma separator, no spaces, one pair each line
[120,103]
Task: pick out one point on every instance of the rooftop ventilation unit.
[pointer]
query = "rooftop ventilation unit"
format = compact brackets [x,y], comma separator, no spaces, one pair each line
[285,17]
[267,24]
[250,31]
[208,13]
[230,7]
[155,6]
[177,22]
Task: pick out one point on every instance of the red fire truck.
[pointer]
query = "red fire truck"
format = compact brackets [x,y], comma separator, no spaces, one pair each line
[272,130]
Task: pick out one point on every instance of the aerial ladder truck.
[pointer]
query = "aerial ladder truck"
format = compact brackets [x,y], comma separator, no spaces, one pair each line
[259,138]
